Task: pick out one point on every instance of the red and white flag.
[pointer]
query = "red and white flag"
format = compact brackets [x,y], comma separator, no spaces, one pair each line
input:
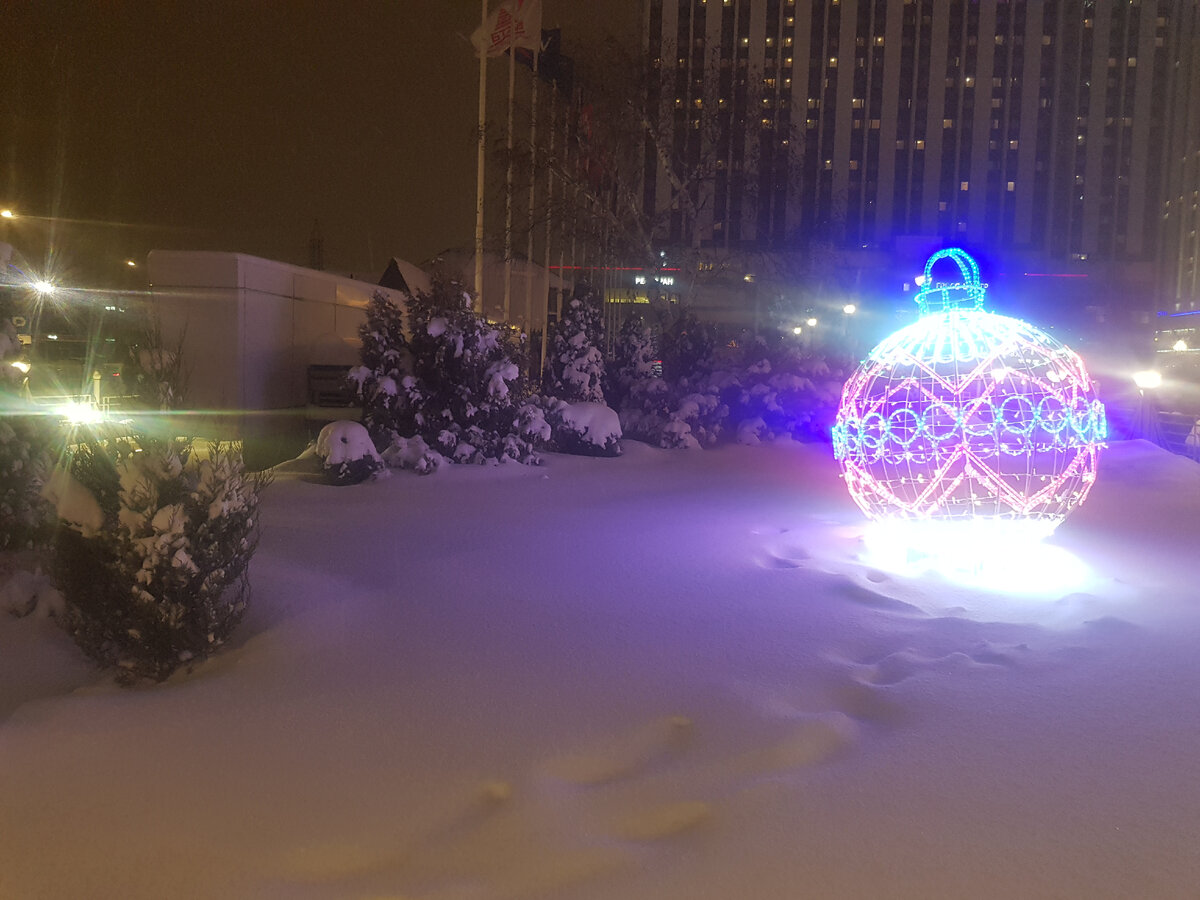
[514,23]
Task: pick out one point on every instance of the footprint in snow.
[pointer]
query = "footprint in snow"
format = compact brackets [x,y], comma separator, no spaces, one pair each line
[904,664]
[814,741]
[664,821]
[627,756]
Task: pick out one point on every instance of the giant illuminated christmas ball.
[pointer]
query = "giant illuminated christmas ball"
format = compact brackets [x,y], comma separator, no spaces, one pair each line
[969,415]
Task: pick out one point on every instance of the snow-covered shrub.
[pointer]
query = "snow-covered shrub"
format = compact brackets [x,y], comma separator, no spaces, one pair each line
[383,361]
[752,388]
[464,394]
[26,459]
[585,429]
[634,357]
[575,361]
[413,453]
[155,372]
[162,582]
[31,594]
[347,453]
[687,346]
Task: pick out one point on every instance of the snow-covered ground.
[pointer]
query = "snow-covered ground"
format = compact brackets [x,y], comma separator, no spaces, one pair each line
[666,675]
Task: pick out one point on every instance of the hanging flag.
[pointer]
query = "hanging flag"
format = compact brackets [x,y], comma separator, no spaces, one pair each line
[515,23]
[553,65]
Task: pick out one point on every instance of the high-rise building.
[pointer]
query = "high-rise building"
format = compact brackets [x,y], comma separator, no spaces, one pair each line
[1181,169]
[1035,128]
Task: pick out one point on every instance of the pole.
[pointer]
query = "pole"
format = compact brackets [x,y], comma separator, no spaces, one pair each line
[508,184]
[479,158]
[546,249]
[532,194]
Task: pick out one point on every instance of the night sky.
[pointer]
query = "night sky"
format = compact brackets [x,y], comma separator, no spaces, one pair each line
[236,125]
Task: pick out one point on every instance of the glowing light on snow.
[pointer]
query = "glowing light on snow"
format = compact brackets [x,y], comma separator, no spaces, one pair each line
[978,553]
[80,413]
[969,415]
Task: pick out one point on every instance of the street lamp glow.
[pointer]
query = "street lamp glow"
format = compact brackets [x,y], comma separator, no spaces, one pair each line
[131,263]
[42,286]
[849,309]
[797,330]
[1147,380]
[7,214]
[1180,345]
[811,323]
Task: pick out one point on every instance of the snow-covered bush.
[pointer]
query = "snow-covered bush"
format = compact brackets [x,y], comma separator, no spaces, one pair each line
[752,389]
[347,453]
[585,429]
[413,453]
[26,459]
[634,359]
[464,395]
[161,582]
[155,372]
[575,361]
[378,378]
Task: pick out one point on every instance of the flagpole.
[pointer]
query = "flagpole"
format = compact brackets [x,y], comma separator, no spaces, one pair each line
[479,159]
[508,189]
[546,249]
[532,191]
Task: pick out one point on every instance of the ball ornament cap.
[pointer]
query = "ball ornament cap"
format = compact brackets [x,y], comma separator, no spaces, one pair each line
[966,414]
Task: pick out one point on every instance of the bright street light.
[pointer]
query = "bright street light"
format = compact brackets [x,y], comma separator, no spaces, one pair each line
[1148,380]
[811,323]
[797,330]
[849,309]
[43,287]
[7,214]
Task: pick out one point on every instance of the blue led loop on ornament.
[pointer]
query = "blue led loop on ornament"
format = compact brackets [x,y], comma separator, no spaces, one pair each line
[903,433]
[1052,415]
[1017,415]
[1100,421]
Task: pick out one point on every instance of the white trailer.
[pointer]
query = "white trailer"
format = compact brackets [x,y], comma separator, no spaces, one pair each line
[250,329]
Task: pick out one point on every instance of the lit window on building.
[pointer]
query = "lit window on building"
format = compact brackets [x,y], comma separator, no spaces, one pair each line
[964,185]
[1012,145]
[1011,186]
[833,62]
[947,123]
